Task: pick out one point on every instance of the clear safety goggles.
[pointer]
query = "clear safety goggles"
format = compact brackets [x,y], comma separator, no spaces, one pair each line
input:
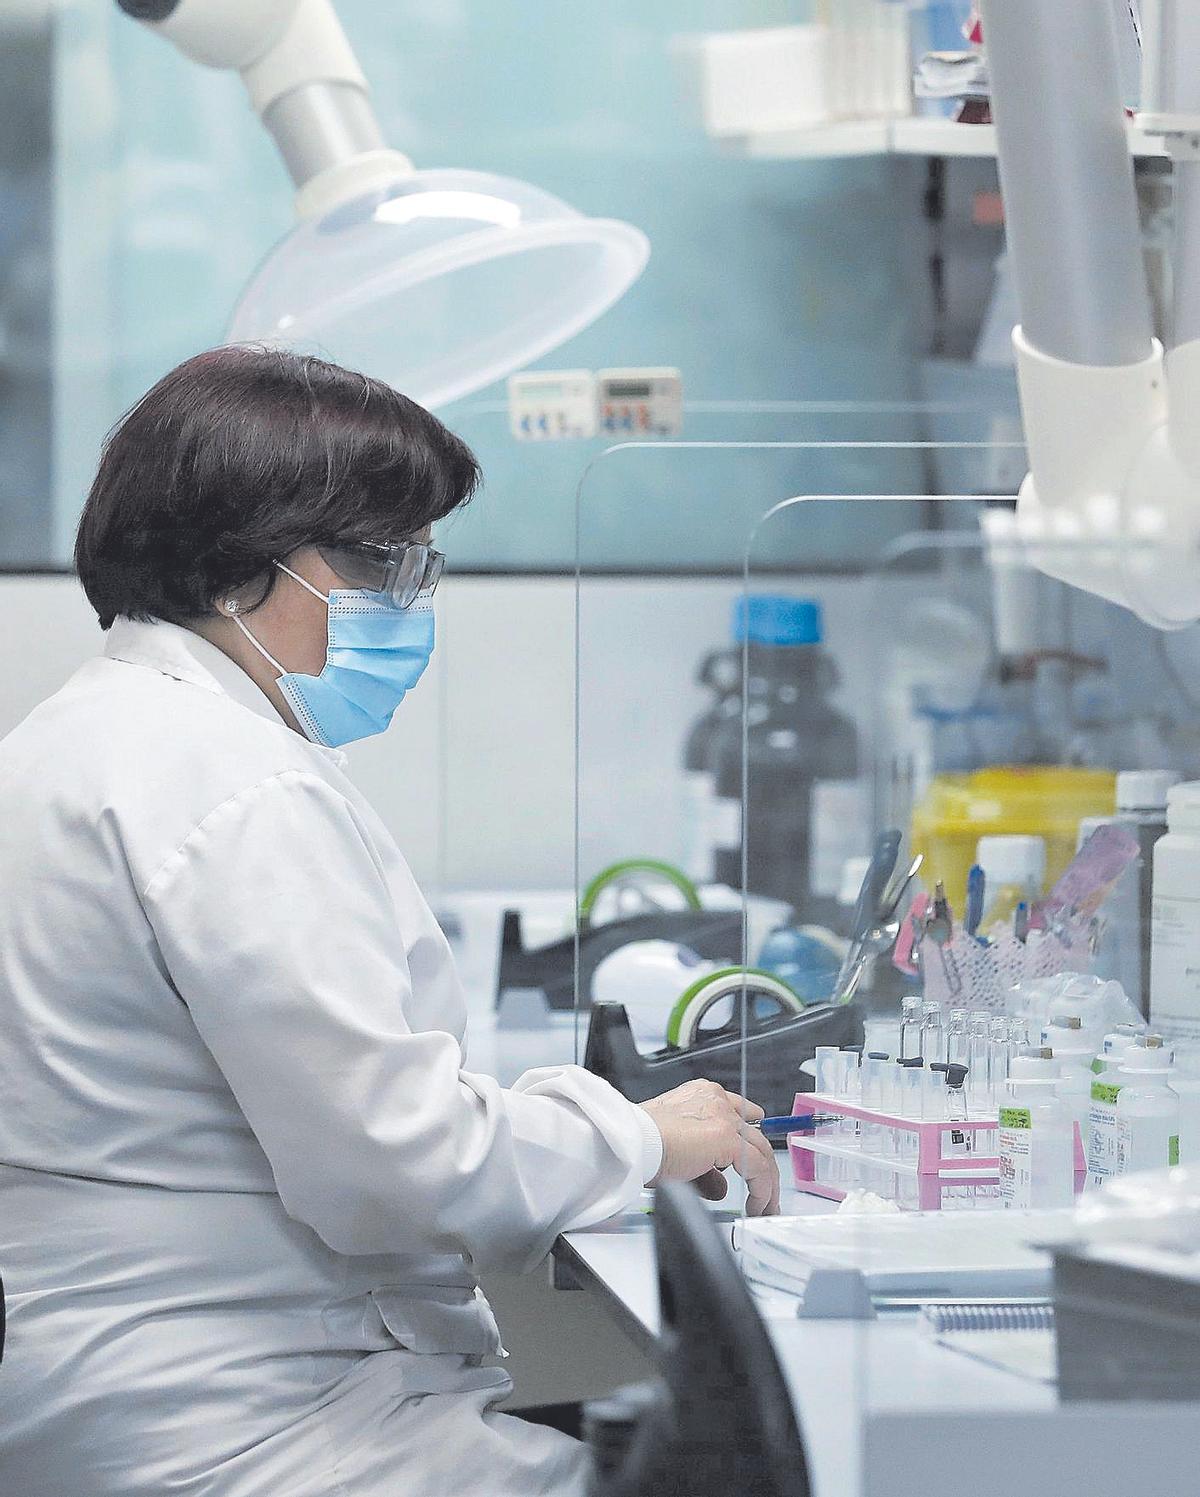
[401,571]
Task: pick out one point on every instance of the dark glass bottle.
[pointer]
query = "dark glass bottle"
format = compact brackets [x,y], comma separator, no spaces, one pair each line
[803,754]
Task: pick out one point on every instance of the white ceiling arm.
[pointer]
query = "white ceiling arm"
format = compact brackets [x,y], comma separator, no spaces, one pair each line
[1112,500]
[1067,177]
[303,80]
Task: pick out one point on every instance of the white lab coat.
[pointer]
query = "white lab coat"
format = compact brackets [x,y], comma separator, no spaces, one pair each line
[244,1177]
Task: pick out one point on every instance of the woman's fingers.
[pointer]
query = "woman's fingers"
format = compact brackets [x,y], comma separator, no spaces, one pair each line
[749,1111]
[712,1185]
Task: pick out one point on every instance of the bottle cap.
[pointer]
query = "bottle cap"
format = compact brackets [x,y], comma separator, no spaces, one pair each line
[1145,1058]
[1039,1067]
[1012,860]
[1066,1021]
[1145,789]
[773,620]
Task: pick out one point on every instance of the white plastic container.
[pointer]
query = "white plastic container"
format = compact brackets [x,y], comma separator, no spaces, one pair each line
[1014,869]
[1185,1083]
[1102,1113]
[1175,921]
[1065,1037]
[1037,1138]
[1147,1111]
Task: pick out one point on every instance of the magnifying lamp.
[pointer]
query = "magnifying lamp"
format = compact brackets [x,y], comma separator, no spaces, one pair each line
[439,282]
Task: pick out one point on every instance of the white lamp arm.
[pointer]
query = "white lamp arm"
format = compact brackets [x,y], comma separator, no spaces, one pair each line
[1112,500]
[304,82]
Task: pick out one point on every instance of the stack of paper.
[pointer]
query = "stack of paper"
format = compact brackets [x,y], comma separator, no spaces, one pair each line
[836,1265]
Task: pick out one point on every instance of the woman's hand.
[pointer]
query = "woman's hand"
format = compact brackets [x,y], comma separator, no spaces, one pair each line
[706,1129]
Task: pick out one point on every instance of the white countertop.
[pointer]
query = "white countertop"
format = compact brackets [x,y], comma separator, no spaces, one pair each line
[839,1371]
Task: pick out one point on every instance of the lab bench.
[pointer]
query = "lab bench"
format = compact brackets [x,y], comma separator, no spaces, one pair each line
[886,1411]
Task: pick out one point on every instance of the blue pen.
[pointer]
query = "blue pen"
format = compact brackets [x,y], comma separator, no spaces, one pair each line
[803,1123]
[976,885]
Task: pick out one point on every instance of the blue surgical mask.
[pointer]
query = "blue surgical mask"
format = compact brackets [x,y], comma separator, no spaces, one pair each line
[375,655]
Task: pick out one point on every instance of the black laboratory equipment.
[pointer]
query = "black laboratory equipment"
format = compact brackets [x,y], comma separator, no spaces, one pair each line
[760,1059]
[549,971]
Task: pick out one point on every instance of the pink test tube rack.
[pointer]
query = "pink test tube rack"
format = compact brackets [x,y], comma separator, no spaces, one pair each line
[934,1170]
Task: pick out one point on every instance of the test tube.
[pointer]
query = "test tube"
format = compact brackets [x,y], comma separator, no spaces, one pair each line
[912,1070]
[910,1028]
[933,1092]
[977,1061]
[827,1063]
[999,1035]
[956,1142]
[956,1038]
[845,1171]
[891,1101]
[1018,1037]
[933,1031]
[826,1057]
[871,1075]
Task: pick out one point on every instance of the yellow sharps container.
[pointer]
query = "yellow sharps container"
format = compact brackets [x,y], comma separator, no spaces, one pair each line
[1037,801]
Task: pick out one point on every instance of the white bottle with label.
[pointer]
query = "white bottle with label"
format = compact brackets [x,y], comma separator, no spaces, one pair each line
[1107,1081]
[1065,1037]
[1147,1111]
[1185,1083]
[1175,919]
[1037,1137]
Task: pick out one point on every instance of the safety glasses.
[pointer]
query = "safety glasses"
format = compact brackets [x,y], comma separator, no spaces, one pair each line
[401,571]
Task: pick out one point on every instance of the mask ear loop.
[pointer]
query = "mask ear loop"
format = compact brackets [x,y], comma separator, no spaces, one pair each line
[270,659]
[295,576]
[231,610]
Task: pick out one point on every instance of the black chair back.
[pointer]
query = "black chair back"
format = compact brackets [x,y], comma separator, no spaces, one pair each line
[721,1421]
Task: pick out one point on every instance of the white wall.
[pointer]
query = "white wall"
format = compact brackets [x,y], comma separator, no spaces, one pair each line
[475,777]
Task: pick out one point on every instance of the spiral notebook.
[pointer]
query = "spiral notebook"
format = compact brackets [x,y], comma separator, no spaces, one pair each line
[1014,1336]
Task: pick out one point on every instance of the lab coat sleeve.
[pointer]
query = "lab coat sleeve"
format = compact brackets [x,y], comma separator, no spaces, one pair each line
[280,932]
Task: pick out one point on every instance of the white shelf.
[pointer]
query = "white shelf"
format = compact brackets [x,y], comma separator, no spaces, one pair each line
[847,138]
[915,136]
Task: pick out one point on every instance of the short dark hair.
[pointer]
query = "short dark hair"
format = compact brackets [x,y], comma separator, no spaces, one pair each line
[239,457]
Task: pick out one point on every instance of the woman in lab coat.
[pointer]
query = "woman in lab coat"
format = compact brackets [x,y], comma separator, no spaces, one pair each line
[245,1179]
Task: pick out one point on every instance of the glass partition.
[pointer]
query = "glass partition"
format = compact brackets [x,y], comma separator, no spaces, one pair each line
[660,869]
[871,446]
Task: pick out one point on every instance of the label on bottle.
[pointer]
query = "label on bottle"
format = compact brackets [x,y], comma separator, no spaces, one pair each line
[1102,1131]
[1145,1144]
[840,831]
[727,822]
[1175,967]
[1016,1157]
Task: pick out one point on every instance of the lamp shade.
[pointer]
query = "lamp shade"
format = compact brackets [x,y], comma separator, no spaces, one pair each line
[440,282]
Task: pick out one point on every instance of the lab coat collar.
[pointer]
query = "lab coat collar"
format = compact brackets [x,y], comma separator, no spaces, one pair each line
[185,656]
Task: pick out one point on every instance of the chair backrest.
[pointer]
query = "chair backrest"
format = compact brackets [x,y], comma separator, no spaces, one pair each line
[722,1420]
